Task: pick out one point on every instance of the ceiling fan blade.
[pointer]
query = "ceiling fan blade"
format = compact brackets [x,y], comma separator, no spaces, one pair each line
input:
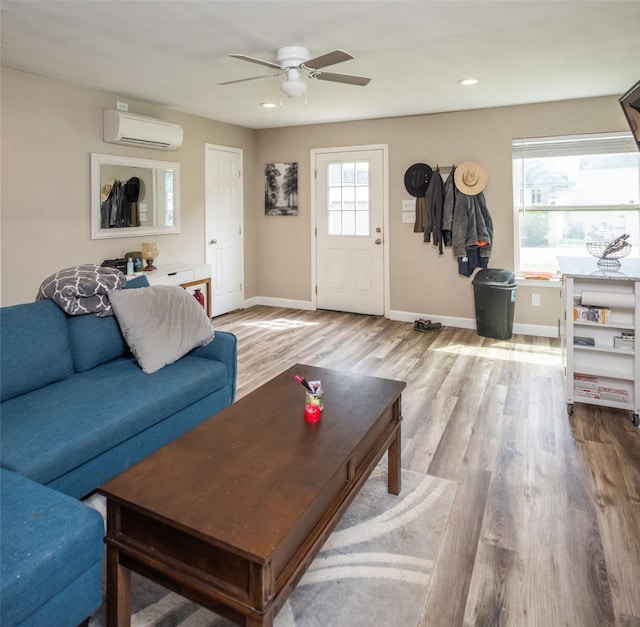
[244,57]
[331,58]
[244,80]
[348,79]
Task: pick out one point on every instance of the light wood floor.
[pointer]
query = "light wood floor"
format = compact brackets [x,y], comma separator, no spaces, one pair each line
[545,527]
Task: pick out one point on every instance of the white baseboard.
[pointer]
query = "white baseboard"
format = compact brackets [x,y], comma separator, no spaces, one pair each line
[278,302]
[537,330]
[448,321]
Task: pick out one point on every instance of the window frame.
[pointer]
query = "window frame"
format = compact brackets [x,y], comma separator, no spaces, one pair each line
[560,146]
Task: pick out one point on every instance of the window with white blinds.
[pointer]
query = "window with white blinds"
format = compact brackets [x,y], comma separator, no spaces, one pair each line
[571,190]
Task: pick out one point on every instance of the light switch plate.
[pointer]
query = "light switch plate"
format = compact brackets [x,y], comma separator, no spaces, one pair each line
[409,205]
[408,217]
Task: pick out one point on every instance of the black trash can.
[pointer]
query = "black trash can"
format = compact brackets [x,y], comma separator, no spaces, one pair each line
[495,297]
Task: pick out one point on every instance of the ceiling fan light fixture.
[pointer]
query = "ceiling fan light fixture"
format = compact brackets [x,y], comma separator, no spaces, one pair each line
[293,86]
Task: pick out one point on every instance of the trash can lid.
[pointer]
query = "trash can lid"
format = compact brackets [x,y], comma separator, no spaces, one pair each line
[495,276]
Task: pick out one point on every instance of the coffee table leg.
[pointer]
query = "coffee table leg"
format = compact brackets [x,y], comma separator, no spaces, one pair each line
[267,621]
[118,577]
[394,462]
[118,591]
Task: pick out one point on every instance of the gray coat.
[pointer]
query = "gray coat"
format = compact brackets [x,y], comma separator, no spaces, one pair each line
[472,224]
[450,192]
[434,199]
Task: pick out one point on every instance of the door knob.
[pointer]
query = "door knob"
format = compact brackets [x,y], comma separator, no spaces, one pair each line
[378,241]
[213,241]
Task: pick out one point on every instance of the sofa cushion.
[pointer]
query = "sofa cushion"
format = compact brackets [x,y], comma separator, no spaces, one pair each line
[95,340]
[34,347]
[75,420]
[49,541]
[160,324]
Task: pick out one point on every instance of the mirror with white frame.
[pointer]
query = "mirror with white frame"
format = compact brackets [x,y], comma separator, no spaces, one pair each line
[131,197]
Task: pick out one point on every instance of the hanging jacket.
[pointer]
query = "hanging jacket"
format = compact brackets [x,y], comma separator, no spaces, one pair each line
[471,261]
[111,209]
[472,225]
[450,191]
[421,215]
[434,200]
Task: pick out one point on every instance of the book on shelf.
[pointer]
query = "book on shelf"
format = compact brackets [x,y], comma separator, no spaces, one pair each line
[586,393]
[600,315]
[624,342]
[613,394]
[583,341]
[586,386]
[585,382]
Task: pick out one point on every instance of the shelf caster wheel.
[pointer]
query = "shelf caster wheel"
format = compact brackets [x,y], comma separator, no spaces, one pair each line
[570,407]
[635,419]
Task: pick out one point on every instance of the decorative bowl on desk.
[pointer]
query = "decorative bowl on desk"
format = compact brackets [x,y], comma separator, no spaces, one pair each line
[607,253]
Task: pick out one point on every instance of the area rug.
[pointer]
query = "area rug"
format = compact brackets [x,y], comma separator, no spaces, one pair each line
[374,569]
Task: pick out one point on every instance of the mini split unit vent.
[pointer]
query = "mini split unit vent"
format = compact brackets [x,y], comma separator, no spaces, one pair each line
[122,127]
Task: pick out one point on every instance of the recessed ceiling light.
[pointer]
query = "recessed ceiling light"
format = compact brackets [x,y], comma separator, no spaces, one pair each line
[268,105]
[468,81]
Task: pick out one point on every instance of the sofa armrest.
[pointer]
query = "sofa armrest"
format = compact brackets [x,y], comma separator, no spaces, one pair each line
[224,348]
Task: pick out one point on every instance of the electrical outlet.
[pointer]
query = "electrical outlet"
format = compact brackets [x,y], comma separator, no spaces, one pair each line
[122,106]
[535,300]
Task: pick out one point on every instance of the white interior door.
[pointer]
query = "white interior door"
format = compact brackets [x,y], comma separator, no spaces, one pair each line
[224,241]
[350,224]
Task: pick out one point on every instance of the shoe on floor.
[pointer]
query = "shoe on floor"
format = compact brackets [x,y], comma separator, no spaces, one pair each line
[426,325]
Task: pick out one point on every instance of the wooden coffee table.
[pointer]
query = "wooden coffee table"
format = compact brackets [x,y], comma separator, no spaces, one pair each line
[231,514]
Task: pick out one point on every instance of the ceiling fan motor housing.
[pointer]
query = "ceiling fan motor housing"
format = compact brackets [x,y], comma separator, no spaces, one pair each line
[292,56]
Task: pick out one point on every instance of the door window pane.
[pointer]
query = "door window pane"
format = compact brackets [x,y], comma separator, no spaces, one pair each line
[335,198]
[348,223]
[362,223]
[335,174]
[334,222]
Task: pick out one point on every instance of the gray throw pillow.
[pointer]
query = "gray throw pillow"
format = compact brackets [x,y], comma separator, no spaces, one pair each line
[161,323]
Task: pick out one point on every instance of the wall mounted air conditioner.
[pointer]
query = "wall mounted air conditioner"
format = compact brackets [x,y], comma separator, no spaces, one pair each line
[122,127]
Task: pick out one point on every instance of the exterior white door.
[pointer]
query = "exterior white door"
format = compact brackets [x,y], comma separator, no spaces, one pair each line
[223,227]
[350,225]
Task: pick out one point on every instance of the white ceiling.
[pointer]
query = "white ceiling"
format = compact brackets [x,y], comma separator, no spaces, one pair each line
[173,52]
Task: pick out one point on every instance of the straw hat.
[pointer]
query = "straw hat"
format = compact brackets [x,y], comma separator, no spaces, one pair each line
[471,177]
[105,190]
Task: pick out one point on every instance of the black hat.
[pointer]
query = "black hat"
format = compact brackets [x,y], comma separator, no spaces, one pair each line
[416,179]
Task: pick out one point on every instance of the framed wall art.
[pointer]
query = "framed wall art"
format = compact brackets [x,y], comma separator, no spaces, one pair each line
[281,189]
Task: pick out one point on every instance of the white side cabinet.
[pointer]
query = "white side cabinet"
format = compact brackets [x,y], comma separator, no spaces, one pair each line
[601,361]
[185,275]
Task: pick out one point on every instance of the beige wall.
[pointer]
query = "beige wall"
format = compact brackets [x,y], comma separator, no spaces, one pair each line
[50,128]
[422,281]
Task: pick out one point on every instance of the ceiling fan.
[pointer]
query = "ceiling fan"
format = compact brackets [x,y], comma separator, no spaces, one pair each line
[294,62]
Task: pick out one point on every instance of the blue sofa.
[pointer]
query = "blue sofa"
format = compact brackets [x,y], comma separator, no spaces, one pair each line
[75,411]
